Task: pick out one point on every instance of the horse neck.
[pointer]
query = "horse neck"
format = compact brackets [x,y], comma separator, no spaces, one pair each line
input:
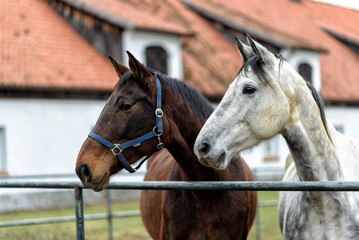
[312,150]
[184,126]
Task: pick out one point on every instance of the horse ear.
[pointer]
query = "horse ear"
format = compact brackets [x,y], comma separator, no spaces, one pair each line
[120,69]
[260,51]
[244,50]
[138,70]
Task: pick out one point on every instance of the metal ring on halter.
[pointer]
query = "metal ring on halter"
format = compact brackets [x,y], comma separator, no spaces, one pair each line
[159,112]
[154,131]
[118,147]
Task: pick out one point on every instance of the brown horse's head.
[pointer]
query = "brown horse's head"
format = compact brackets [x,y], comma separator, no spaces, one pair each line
[128,114]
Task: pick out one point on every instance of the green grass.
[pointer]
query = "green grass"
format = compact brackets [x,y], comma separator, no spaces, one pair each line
[130,228]
[124,228]
[268,219]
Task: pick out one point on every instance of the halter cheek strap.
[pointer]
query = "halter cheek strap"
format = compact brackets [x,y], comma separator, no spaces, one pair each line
[117,148]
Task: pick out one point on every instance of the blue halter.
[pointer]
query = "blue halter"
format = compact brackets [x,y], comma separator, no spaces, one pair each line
[117,148]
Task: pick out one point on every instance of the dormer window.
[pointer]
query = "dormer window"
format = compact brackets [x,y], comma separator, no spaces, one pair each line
[305,70]
[156,58]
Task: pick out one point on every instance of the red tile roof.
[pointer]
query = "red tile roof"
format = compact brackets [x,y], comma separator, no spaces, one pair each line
[39,49]
[131,14]
[301,24]
[210,60]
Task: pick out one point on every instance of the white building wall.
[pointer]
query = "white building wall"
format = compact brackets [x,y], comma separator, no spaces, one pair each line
[345,118]
[137,41]
[44,136]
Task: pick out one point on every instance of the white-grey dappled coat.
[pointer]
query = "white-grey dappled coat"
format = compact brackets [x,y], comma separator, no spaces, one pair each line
[267,98]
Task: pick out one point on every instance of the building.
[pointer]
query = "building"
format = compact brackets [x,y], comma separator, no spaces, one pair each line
[54,75]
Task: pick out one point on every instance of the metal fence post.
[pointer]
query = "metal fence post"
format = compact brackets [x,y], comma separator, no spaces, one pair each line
[257,220]
[258,224]
[80,224]
[109,214]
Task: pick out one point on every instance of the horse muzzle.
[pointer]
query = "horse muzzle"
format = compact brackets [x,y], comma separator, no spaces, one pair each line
[208,157]
[85,175]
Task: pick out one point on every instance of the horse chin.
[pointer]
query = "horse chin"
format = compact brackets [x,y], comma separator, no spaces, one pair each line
[103,187]
[98,184]
[219,163]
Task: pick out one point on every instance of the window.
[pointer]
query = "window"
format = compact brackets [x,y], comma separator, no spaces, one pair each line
[305,70]
[156,58]
[271,150]
[2,151]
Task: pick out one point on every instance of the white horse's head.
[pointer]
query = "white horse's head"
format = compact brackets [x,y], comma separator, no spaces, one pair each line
[255,107]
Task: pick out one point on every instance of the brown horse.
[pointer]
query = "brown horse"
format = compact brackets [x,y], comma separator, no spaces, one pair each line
[129,114]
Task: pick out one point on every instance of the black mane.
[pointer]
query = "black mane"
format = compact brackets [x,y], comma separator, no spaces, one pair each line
[320,104]
[197,102]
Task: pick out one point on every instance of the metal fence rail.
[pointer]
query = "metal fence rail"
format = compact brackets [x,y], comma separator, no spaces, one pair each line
[68,218]
[216,186]
[228,186]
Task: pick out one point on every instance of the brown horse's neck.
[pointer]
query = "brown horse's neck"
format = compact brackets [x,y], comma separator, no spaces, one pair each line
[183,128]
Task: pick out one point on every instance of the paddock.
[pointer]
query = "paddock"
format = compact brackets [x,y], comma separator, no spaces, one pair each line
[228,186]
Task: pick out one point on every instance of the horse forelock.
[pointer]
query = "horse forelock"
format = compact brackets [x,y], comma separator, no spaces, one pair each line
[260,68]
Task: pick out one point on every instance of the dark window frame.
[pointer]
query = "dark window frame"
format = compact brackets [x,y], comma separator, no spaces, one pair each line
[306,71]
[157,58]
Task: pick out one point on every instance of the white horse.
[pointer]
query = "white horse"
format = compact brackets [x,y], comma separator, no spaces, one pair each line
[267,98]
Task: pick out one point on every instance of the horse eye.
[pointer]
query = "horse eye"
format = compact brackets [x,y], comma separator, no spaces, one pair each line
[248,89]
[125,106]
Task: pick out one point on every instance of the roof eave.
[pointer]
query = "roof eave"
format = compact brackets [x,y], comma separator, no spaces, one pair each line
[115,19]
[237,26]
[14,91]
[253,32]
[99,13]
[176,33]
[341,103]
[338,35]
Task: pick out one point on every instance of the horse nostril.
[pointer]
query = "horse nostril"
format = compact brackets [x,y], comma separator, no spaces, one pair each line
[84,173]
[204,149]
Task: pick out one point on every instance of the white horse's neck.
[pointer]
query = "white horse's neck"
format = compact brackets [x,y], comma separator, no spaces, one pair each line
[312,150]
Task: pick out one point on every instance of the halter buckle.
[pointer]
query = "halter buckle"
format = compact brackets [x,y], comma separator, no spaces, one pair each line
[116,149]
[159,112]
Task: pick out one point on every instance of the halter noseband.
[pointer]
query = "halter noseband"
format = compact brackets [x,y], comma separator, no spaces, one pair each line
[117,148]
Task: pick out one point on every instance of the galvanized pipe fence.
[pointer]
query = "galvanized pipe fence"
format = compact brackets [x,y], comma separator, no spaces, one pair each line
[192,186]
